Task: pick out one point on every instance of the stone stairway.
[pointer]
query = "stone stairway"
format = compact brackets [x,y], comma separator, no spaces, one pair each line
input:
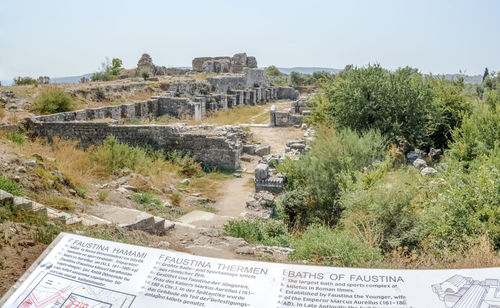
[130,219]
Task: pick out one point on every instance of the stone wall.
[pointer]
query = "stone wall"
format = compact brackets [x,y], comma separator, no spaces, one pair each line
[157,106]
[213,146]
[284,119]
[249,78]
[234,64]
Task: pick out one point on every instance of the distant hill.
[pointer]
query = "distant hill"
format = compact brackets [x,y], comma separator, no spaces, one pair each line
[475,79]
[308,70]
[70,79]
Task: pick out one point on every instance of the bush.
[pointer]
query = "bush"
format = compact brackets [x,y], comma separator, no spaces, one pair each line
[276,77]
[103,76]
[385,213]
[109,71]
[319,176]
[478,135]
[267,232]
[10,186]
[323,245]
[52,100]
[451,108]
[396,104]
[468,205]
[22,81]
[145,72]
[145,198]
[189,167]
[59,203]
[113,156]
[16,137]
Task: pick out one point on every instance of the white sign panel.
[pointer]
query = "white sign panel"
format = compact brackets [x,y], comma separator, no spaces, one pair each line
[81,272]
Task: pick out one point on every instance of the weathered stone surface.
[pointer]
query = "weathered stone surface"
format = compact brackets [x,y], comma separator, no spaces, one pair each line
[6,199]
[249,149]
[22,203]
[262,150]
[419,163]
[435,154]
[211,232]
[428,171]
[234,64]
[251,62]
[411,156]
[245,250]
[261,172]
[274,184]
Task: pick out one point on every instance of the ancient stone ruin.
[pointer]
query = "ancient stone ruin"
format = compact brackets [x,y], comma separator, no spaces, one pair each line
[234,64]
[293,116]
[219,147]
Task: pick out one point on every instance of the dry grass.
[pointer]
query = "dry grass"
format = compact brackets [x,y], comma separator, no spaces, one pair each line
[2,112]
[58,203]
[73,162]
[209,184]
[476,253]
[203,76]
[28,91]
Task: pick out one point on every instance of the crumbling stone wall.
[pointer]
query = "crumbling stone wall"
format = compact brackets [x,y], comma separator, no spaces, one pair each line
[292,116]
[234,64]
[213,146]
[157,106]
[284,119]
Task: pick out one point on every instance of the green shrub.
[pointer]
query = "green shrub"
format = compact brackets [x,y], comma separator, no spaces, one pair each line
[451,108]
[22,81]
[145,198]
[103,76]
[385,213]
[52,100]
[468,204]
[18,137]
[478,135]
[269,232]
[145,72]
[11,186]
[319,176]
[276,77]
[189,167]
[322,245]
[114,156]
[396,104]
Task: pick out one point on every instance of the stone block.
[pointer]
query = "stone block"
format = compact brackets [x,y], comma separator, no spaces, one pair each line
[261,172]
[262,150]
[6,199]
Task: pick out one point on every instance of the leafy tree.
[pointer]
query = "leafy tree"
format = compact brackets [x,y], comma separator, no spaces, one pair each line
[21,81]
[272,71]
[396,104]
[451,108]
[109,70]
[486,73]
[116,66]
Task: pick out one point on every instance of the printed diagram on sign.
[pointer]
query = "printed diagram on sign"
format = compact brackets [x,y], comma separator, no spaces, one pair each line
[58,292]
[465,292]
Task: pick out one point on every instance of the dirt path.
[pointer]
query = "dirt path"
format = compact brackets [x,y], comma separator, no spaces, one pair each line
[276,137]
[281,105]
